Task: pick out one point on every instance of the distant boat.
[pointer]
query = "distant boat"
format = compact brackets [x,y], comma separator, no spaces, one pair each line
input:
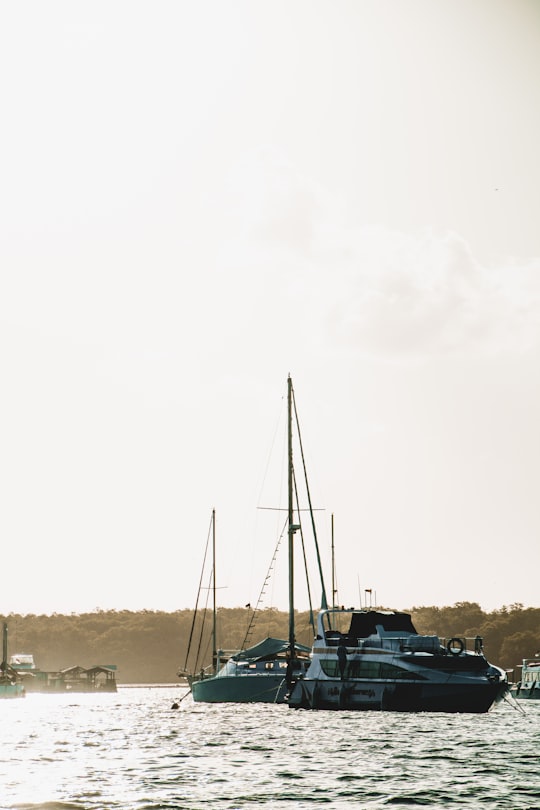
[375,660]
[262,673]
[10,683]
[528,688]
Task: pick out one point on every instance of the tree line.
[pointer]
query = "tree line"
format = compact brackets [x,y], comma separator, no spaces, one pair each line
[152,646]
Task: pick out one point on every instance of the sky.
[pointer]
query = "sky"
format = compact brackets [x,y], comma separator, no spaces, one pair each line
[198,199]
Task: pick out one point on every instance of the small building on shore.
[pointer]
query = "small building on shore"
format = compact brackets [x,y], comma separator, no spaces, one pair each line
[99,678]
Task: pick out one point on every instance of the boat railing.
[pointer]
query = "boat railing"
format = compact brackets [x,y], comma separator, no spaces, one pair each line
[454,645]
[225,655]
[457,644]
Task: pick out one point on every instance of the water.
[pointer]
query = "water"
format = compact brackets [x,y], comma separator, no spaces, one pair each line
[130,750]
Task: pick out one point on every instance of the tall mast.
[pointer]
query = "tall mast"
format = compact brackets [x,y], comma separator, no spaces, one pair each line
[333,568]
[292,527]
[3,666]
[214,642]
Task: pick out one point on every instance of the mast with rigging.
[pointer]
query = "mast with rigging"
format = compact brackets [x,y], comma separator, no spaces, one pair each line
[292,526]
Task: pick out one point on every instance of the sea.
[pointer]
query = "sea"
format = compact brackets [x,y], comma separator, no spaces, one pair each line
[133,751]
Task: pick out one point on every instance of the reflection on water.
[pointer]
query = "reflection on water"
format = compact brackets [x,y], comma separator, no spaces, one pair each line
[131,750]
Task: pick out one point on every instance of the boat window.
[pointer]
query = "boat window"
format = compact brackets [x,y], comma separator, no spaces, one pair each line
[330,668]
[365,669]
[391,671]
[368,669]
[337,621]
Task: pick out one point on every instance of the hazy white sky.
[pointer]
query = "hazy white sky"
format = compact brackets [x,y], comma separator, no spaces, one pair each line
[197,198]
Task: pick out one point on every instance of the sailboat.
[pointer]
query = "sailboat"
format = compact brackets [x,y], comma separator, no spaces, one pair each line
[10,683]
[265,672]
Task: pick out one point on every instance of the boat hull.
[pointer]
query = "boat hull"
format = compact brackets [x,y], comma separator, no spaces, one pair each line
[240,689]
[475,698]
[11,690]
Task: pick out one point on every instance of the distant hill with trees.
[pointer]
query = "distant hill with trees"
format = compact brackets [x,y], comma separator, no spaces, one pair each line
[150,646]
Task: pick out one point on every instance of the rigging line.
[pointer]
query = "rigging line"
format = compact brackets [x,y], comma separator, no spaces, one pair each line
[311,617]
[203,623]
[324,603]
[270,456]
[272,443]
[209,637]
[206,650]
[198,592]
[259,600]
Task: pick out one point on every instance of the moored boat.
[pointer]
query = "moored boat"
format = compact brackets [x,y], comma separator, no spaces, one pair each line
[265,672]
[10,683]
[10,688]
[375,660]
[259,674]
[528,688]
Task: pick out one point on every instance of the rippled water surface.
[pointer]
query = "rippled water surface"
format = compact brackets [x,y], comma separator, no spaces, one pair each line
[132,751]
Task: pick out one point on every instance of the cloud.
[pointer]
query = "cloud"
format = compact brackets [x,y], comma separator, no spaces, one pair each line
[370,287]
[427,294]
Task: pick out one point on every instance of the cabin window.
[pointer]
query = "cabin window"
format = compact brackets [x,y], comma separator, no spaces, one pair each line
[361,668]
[364,669]
[391,671]
[329,668]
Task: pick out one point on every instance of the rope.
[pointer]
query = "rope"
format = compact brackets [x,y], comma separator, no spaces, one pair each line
[324,603]
[510,699]
[198,596]
[251,624]
[311,616]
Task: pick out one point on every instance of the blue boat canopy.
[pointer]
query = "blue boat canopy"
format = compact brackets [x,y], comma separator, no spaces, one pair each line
[268,648]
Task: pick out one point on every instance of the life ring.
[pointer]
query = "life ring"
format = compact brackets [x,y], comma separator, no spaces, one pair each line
[455,646]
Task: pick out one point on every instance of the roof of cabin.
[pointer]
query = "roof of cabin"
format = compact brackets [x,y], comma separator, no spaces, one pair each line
[364,623]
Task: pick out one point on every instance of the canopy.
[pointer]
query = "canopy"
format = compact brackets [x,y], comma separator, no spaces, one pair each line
[268,648]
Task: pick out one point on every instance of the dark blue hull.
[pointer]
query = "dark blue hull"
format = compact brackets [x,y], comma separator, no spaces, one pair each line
[398,697]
